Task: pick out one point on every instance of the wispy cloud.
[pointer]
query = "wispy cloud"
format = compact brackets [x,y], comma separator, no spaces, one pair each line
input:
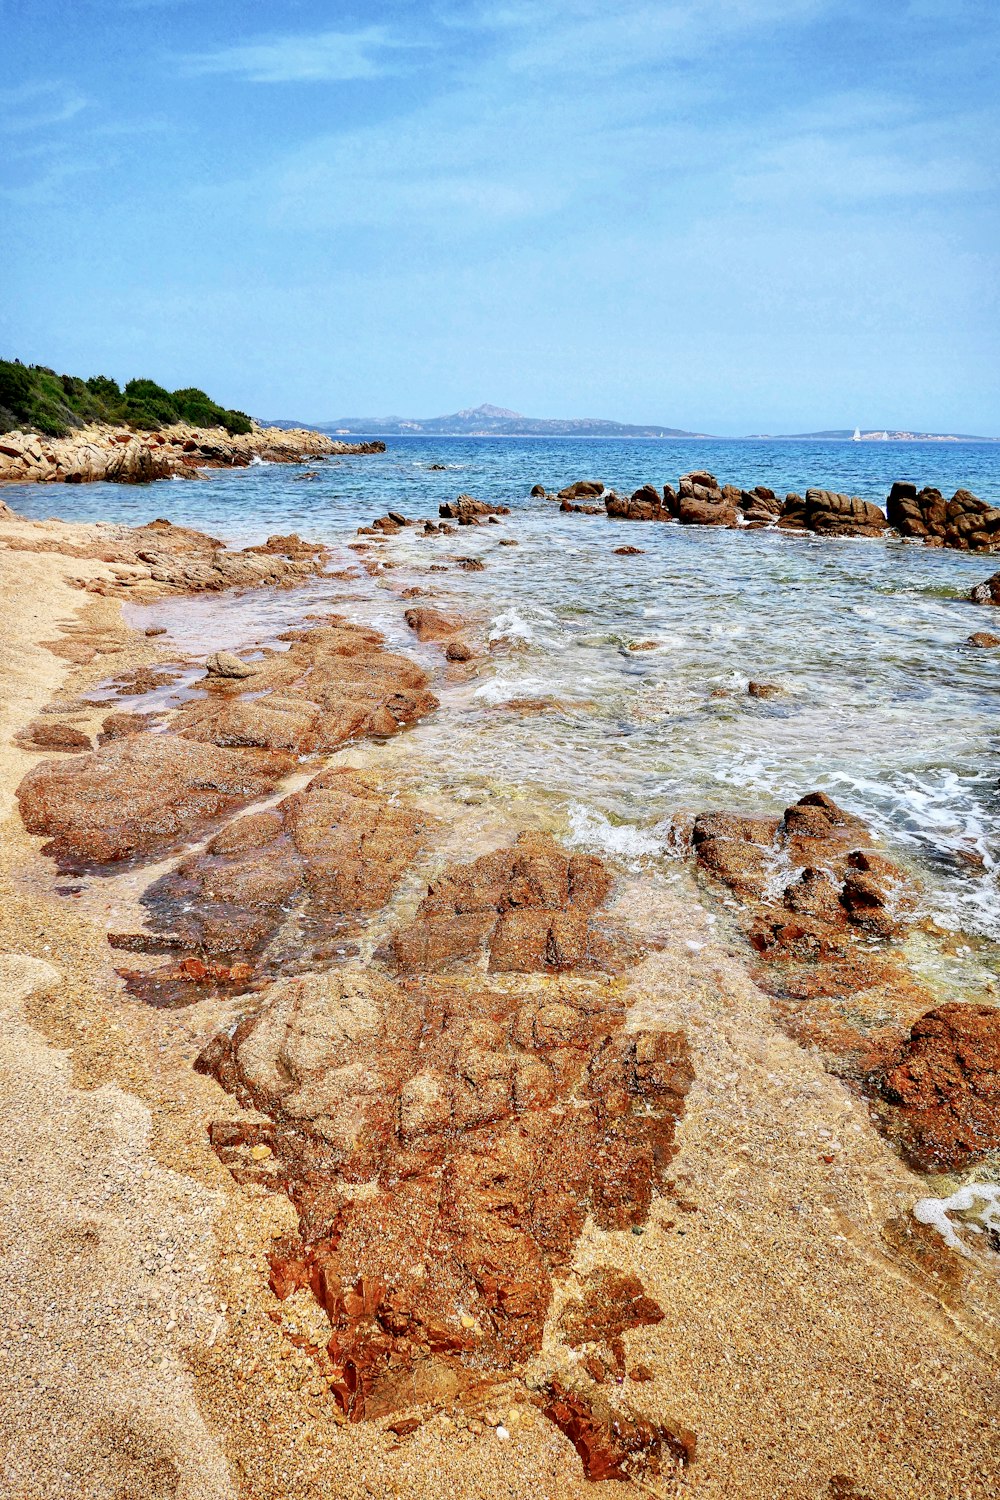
[39,105]
[316,57]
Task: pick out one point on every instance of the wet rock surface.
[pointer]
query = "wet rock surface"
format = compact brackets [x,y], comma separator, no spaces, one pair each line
[938,1097]
[531,908]
[335,683]
[161,559]
[825,912]
[138,796]
[443,1143]
[280,890]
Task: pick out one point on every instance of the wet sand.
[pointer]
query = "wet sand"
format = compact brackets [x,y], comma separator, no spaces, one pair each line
[816,1339]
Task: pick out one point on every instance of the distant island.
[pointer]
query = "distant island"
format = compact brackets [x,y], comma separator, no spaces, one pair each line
[499,421]
[491,421]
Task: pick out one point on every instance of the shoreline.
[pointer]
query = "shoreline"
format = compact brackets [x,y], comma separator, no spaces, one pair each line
[772,1265]
[121,455]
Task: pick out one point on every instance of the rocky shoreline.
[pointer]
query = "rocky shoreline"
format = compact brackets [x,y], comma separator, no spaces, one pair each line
[511,1153]
[123,456]
[964,522]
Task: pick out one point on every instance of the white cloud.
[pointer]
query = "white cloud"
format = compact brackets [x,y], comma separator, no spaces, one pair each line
[319,57]
[38,106]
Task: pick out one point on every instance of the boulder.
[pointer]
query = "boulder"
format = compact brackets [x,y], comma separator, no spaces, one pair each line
[225,664]
[466,510]
[430,624]
[583,489]
[831,514]
[987,592]
[704,509]
[984,639]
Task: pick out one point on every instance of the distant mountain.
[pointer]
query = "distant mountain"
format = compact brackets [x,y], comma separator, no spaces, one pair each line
[490,421]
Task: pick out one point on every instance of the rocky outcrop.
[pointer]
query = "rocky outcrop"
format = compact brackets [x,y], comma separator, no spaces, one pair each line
[444,1142]
[336,682]
[468,511]
[430,624]
[180,451]
[159,559]
[279,890]
[138,796]
[531,908]
[583,489]
[938,1097]
[760,506]
[646,504]
[827,513]
[702,502]
[963,522]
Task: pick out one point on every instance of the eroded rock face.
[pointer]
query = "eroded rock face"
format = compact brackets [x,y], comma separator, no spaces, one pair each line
[315,868]
[443,1143]
[335,683]
[532,908]
[987,592]
[612,1443]
[939,1095]
[138,796]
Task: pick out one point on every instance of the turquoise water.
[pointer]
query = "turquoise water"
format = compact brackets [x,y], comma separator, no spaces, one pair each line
[882,703]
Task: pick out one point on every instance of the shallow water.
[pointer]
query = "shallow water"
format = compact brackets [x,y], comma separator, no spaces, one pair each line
[882,705]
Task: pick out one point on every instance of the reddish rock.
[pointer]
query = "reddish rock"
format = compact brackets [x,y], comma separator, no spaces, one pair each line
[764,690]
[483,1127]
[939,1096]
[583,489]
[335,683]
[629,551]
[138,796]
[466,510]
[430,624]
[988,592]
[533,907]
[984,639]
[830,514]
[459,650]
[42,734]
[615,1443]
[319,864]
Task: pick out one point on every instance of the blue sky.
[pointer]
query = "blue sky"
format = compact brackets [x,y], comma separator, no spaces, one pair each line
[728,215]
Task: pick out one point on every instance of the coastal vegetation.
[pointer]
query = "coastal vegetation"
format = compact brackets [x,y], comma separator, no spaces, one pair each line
[36,397]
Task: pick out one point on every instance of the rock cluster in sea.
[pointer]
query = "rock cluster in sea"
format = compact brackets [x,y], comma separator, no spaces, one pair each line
[127,457]
[963,522]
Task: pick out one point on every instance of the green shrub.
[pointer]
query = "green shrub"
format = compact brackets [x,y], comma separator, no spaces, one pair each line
[35,396]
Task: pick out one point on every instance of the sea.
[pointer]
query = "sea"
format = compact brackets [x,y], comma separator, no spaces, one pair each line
[616,693]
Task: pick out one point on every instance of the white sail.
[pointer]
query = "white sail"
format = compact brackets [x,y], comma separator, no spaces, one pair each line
[857,435]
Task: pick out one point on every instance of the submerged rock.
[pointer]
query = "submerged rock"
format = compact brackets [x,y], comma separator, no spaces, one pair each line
[939,1096]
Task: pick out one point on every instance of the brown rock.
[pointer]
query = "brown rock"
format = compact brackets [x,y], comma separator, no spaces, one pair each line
[41,734]
[939,1097]
[485,1127]
[985,593]
[764,690]
[533,906]
[830,514]
[985,639]
[629,551]
[467,510]
[225,664]
[614,1442]
[583,489]
[431,624]
[138,796]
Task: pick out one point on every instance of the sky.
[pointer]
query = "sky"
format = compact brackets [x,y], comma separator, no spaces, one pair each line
[731,216]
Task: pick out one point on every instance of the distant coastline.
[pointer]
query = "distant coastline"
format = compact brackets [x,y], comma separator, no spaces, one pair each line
[498,422]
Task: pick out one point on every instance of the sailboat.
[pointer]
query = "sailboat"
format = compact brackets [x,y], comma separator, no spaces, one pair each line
[857,435]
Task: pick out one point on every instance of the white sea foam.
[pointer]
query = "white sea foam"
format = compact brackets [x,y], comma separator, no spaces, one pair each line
[591,829]
[935,1211]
